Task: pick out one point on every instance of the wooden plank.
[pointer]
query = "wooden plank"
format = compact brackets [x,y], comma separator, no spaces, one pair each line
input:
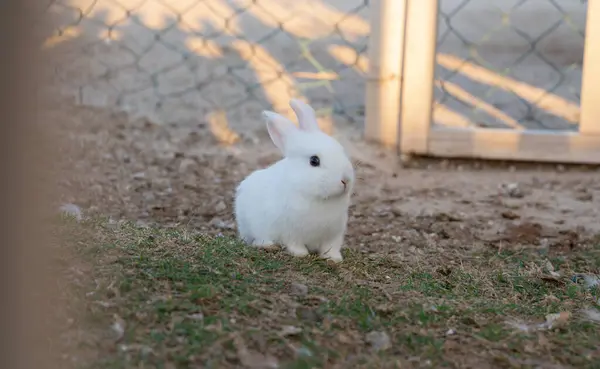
[418,72]
[551,103]
[590,89]
[508,144]
[382,104]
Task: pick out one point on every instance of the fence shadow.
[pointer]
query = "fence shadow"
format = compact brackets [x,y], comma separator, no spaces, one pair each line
[223,61]
[180,66]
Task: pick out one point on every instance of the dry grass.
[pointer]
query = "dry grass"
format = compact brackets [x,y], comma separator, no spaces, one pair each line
[176,299]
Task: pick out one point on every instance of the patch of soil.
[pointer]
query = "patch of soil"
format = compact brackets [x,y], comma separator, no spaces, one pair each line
[182,175]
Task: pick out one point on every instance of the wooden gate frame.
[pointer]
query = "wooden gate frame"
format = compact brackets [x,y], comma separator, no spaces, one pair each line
[399,95]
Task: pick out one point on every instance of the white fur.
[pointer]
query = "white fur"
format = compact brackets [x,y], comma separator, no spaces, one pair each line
[291,203]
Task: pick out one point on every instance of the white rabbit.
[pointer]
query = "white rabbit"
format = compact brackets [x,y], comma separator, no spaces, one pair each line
[300,202]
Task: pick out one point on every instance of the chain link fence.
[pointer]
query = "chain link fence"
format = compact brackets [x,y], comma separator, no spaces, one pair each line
[183,61]
[510,64]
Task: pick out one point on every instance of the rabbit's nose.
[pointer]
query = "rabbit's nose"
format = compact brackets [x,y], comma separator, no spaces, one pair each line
[345,183]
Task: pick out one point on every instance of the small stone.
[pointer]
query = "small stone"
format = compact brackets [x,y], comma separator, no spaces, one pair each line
[307,315]
[142,224]
[118,327]
[196,316]
[589,280]
[549,266]
[510,215]
[512,190]
[289,330]
[73,211]
[344,338]
[186,164]
[299,289]
[397,211]
[384,308]
[145,350]
[221,224]
[379,341]
[253,359]
[592,315]
[149,196]
[220,207]
[585,197]
[304,352]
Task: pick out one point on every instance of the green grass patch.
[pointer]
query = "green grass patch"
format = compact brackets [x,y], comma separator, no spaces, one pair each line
[188,300]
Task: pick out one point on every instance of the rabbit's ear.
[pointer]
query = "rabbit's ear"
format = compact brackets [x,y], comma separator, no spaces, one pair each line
[280,128]
[307,118]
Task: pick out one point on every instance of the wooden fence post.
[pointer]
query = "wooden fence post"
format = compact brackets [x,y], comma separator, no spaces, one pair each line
[419,73]
[589,120]
[382,105]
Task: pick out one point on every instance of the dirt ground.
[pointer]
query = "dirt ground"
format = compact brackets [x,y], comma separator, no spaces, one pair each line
[409,220]
[182,175]
[448,263]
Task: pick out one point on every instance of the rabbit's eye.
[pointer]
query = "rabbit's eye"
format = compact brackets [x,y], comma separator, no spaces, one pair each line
[315,161]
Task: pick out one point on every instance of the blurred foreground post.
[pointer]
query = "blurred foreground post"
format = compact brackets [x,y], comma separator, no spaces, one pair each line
[24,283]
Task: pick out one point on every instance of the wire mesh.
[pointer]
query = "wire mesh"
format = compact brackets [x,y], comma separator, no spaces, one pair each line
[178,61]
[514,63]
[510,64]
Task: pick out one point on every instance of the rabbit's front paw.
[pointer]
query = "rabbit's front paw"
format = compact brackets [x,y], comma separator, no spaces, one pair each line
[332,250]
[297,250]
[335,256]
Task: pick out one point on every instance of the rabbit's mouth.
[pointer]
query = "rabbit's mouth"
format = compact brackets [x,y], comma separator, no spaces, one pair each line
[337,195]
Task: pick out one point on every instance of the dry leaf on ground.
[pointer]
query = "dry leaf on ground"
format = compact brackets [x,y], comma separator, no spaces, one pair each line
[552,321]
